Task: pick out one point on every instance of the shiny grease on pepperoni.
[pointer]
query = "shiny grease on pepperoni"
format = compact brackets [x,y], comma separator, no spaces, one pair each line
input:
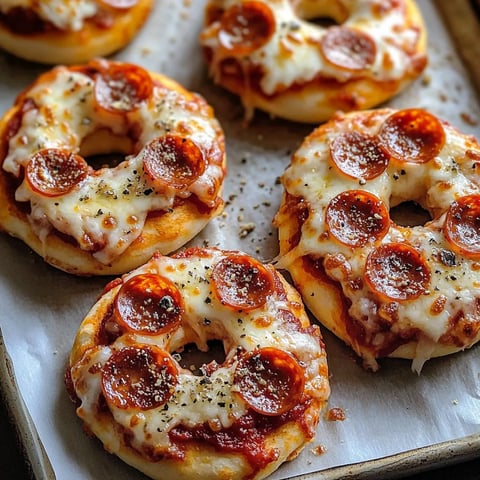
[173,161]
[141,377]
[462,225]
[242,282]
[356,218]
[358,155]
[397,271]
[412,135]
[121,88]
[53,171]
[149,304]
[246,27]
[348,48]
[270,380]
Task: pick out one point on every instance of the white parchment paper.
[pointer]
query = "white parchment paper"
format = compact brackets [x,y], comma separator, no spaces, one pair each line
[387,412]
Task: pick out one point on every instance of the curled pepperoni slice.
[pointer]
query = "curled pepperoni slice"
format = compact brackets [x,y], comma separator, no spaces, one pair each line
[141,377]
[54,172]
[348,48]
[269,380]
[462,225]
[149,304]
[246,27]
[122,88]
[119,4]
[358,155]
[397,271]
[412,135]
[173,162]
[357,217]
[242,282]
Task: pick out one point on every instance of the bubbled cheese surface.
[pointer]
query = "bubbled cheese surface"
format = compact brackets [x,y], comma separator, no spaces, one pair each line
[435,185]
[197,400]
[109,207]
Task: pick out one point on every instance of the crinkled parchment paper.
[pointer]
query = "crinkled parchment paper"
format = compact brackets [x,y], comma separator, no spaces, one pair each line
[388,412]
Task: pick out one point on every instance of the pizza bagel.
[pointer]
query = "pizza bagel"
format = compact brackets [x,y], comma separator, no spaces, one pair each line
[278,57]
[85,212]
[236,417]
[69,32]
[386,288]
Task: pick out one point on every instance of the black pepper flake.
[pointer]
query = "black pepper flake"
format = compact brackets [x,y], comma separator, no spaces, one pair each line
[447,257]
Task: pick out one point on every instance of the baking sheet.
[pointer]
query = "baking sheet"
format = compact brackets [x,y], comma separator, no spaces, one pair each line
[393,413]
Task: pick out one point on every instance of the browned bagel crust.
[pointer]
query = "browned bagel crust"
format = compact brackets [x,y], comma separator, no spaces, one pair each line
[326,88]
[163,231]
[201,460]
[68,47]
[329,265]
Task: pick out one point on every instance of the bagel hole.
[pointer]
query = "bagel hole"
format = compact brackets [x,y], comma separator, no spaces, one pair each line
[104,149]
[107,160]
[324,15]
[191,358]
[323,22]
[409,214]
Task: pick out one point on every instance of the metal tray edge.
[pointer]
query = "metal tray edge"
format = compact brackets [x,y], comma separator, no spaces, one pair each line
[32,448]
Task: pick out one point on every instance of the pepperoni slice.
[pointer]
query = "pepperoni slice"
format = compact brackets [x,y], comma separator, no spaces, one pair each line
[246,27]
[173,162]
[122,88]
[358,155]
[462,225]
[412,135]
[119,4]
[348,48]
[242,282]
[149,304]
[54,172]
[141,377]
[269,380]
[357,217]
[397,271]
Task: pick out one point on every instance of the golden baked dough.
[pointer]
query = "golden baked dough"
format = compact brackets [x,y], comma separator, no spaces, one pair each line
[70,32]
[236,418]
[278,58]
[386,289]
[108,220]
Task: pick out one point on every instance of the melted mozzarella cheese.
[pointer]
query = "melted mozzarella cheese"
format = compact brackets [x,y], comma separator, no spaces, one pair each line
[293,54]
[196,401]
[435,185]
[64,14]
[107,210]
